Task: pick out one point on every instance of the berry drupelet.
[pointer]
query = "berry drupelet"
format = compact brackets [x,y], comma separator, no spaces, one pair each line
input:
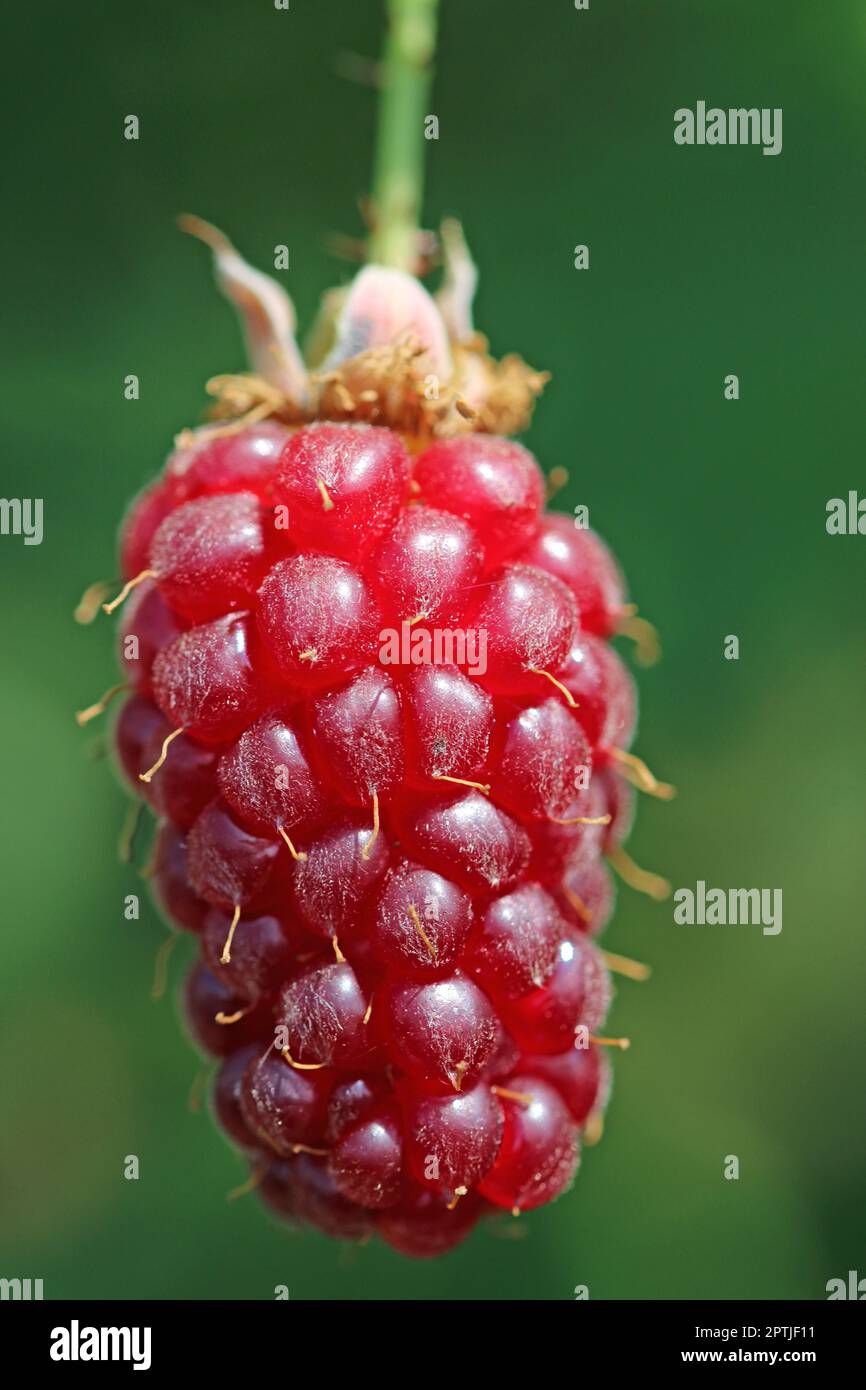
[395,872]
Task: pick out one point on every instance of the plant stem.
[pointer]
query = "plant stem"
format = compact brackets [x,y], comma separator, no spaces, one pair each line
[398,174]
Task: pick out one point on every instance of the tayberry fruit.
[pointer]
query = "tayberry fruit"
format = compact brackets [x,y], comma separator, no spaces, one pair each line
[266,779]
[221,1019]
[172,890]
[580,1075]
[420,922]
[228,866]
[387,839]
[426,1224]
[226,1097]
[357,732]
[147,625]
[516,946]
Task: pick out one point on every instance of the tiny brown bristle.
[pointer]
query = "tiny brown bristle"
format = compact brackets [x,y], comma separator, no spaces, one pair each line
[225,958]
[625,966]
[160,969]
[84,716]
[127,590]
[166,744]
[569,698]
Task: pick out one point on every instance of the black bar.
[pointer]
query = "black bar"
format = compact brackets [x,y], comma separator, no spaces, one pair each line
[219,1340]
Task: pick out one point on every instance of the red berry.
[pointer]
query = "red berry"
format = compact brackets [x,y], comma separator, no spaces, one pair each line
[570,844]
[358,734]
[351,1100]
[318,1201]
[226,1097]
[208,1002]
[516,947]
[395,871]
[604,692]
[483,849]
[143,516]
[331,885]
[581,1076]
[261,954]
[186,782]
[426,1224]
[303,1191]
[278,1189]
[228,866]
[586,897]
[619,805]
[146,626]
[449,724]
[503,1059]
[138,723]
[546,760]
[420,922]
[170,882]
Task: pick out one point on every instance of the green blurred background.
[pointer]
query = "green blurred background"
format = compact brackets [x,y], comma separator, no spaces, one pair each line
[556,128]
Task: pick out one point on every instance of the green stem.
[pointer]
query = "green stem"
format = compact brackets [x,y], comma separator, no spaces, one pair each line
[398,174]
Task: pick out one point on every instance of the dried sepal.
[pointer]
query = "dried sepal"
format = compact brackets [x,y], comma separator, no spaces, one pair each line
[266,311]
[457,293]
[386,352]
